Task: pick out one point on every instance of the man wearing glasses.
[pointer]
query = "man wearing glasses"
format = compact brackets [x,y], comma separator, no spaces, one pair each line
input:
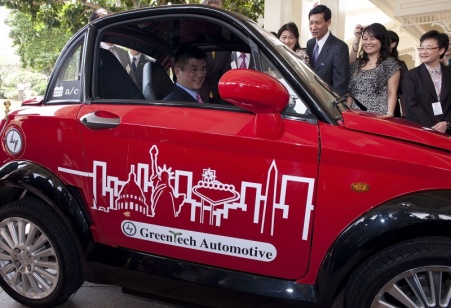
[426,88]
[190,70]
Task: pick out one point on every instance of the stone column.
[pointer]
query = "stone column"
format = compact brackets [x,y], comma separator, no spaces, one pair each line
[337,26]
[304,30]
[279,12]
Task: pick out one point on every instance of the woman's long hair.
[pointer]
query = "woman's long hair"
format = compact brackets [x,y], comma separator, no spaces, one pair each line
[381,34]
[291,26]
[394,38]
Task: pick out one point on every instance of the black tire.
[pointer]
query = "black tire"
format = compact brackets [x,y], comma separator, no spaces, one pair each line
[398,275]
[39,262]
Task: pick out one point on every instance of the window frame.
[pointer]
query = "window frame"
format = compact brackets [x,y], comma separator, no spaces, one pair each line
[66,57]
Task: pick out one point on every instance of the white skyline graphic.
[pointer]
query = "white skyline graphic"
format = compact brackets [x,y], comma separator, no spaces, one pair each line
[149,187]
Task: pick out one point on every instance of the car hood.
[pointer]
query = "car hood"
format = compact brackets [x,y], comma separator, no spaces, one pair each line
[396,128]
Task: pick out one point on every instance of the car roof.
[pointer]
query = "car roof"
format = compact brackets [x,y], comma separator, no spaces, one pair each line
[203,26]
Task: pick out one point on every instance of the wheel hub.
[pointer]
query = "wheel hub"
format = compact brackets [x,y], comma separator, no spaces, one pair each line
[23,260]
[31,269]
[428,286]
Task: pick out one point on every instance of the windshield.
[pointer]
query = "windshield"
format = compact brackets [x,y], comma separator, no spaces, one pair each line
[321,91]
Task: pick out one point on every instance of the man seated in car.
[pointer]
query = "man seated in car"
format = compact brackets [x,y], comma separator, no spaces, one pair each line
[190,70]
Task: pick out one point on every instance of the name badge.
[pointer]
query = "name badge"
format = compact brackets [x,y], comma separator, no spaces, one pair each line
[437,108]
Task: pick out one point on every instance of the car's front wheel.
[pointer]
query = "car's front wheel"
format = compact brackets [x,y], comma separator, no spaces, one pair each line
[39,263]
[415,273]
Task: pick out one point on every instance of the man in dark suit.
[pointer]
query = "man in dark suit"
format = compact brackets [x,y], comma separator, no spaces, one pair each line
[217,64]
[136,65]
[120,53]
[190,68]
[426,88]
[329,56]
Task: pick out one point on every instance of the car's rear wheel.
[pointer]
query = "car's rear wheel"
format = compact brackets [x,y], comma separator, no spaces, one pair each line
[415,273]
[39,264]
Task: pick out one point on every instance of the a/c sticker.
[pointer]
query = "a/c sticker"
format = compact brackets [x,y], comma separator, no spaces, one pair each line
[14,141]
[224,245]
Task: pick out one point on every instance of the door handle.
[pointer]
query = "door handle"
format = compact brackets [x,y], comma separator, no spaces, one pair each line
[100,120]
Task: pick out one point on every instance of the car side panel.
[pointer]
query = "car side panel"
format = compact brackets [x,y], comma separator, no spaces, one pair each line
[44,131]
[197,184]
[375,162]
[410,216]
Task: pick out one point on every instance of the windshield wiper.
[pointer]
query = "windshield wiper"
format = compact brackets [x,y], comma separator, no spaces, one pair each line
[342,100]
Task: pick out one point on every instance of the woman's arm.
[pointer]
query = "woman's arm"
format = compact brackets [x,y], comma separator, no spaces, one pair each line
[349,101]
[392,86]
[355,44]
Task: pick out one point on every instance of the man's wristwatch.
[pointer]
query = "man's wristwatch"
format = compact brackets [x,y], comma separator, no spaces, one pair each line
[448,125]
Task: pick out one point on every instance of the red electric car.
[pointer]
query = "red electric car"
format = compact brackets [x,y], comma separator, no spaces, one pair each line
[279,191]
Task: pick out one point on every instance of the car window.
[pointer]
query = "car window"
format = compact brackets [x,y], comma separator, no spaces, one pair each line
[295,105]
[157,40]
[322,93]
[68,83]
[113,74]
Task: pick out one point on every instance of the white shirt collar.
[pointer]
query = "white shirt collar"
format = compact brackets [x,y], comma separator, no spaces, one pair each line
[193,93]
[137,57]
[322,41]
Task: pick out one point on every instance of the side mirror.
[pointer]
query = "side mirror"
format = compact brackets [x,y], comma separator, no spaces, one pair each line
[258,93]
[254,91]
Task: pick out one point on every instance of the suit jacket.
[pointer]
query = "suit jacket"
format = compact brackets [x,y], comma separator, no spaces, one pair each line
[120,53]
[178,94]
[332,64]
[419,95]
[216,67]
[123,56]
[113,81]
[138,74]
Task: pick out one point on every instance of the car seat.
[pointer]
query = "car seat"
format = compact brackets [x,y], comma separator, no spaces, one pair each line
[113,81]
[156,82]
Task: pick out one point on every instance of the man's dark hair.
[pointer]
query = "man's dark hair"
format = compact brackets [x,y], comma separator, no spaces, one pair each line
[183,54]
[97,14]
[321,9]
[441,38]
[210,2]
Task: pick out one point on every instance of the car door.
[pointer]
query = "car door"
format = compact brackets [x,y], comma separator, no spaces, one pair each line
[197,182]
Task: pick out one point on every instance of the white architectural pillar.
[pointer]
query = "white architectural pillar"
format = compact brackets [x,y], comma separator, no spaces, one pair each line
[304,30]
[337,26]
[279,12]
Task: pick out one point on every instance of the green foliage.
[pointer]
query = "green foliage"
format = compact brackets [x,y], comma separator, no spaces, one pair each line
[38,45]
[39,29]
[250,8]
[39,87]
[73,17]
[38,83]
